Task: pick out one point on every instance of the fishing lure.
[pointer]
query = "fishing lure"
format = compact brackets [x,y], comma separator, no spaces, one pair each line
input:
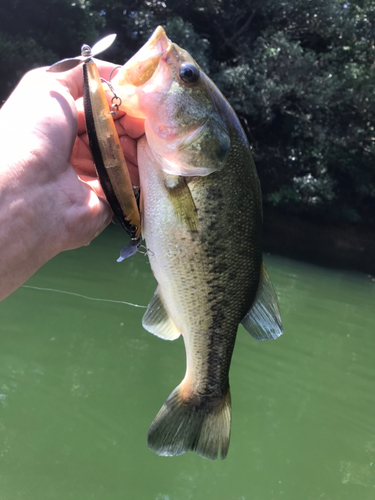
[105,144]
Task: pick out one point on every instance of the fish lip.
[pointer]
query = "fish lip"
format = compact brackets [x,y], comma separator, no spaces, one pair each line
[158,41]
[140,68]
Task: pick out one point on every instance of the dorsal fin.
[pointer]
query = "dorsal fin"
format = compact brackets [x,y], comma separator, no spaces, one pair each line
[156,320]
[263,320]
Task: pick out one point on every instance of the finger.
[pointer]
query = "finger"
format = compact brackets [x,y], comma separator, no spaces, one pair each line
[81,112]
[73,79]
[129,146]
[89,216]
[81,116]
[101,216]
[134,173]
[95,186]
[134,127]
[81,158]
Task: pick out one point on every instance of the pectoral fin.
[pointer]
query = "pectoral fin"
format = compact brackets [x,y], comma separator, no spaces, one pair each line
[182,201]
[263,320]
[156,320]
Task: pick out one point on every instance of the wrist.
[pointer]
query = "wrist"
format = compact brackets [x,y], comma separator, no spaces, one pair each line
[29,227]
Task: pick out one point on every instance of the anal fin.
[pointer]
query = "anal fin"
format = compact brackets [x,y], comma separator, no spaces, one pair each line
[263,320]
[156,319]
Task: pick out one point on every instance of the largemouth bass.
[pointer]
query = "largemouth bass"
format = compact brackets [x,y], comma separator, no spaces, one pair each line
[202,222]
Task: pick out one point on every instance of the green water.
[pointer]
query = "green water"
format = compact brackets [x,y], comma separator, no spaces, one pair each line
[80,382]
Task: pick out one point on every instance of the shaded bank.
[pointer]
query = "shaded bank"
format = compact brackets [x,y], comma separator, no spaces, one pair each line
[344,246]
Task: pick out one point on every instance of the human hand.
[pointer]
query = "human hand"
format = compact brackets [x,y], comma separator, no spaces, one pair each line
[129,130]
[50,198]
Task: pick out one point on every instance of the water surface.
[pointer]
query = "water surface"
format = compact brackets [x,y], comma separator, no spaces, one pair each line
[80,382]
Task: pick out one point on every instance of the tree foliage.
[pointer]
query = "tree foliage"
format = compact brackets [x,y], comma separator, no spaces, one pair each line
[299,73]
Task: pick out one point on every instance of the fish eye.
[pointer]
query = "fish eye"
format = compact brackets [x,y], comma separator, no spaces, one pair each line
[189,73]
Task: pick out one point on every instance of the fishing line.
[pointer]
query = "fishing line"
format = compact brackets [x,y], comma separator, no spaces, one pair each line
[83,296]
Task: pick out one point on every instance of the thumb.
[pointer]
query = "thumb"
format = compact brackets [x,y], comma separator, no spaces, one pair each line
[98,201]
[93,217]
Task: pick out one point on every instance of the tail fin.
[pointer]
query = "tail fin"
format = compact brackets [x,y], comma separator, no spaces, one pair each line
[199,424]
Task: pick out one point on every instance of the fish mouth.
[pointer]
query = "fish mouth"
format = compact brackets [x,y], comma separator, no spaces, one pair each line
[140,68]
